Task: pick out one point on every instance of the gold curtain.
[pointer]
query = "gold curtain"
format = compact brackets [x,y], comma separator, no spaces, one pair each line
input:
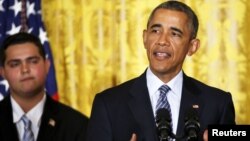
[97,44]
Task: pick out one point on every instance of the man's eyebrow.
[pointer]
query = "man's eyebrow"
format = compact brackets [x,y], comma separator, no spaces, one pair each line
[176,29]
[32,57]
[19,60]
[13,60]
[172,28]
[155,25]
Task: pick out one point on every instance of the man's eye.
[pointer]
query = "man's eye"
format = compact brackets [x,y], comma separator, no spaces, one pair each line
[14,64]
[176,34]
[34,60]
[154,31]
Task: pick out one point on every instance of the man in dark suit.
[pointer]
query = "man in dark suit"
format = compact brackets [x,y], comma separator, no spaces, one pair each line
[25,66]
[128,111]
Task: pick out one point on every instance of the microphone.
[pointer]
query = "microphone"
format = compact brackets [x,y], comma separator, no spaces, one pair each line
[192,125]
[163,122]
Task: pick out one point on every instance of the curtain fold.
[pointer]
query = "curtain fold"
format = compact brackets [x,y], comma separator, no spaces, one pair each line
[98,44]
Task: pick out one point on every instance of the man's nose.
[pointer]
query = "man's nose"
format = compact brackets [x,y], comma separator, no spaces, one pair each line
[25,68]
[163,40]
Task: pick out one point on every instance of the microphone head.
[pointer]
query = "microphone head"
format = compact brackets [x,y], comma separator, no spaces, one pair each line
[192,125]
[163,122]
[162,113]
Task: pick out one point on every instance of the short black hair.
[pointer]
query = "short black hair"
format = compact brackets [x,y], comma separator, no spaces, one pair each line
[182,7]
[19,38]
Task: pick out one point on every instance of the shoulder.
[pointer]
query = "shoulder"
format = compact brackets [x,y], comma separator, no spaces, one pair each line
[68,122]
[70,111]
[118,88]
[64,111]
[5,104]
[205,90]
[119,95]
[121,91]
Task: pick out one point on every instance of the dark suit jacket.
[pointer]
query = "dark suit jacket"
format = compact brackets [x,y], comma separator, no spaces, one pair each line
[125,109]
[70,125]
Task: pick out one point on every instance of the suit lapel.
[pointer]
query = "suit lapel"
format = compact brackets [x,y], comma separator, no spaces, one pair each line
[190,99]
[49,121]
[142,110]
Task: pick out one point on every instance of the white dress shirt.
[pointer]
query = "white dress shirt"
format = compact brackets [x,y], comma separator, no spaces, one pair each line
[173,96]
[34,115]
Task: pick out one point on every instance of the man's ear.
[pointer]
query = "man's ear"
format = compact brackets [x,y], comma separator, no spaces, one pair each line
[194,46]
[144,36]
[47,63]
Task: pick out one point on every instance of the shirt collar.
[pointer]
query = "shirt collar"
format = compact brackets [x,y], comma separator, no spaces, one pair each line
[34,114]
[176,83]
[17,110]
[155,83]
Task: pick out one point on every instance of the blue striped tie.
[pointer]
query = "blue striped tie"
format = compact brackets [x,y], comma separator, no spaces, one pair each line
[28,134]
[163,102]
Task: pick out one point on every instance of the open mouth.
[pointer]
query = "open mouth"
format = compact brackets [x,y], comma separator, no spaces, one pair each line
[162,55]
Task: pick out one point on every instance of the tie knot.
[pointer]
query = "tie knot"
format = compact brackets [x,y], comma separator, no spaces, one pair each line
[26,121]
[164,89]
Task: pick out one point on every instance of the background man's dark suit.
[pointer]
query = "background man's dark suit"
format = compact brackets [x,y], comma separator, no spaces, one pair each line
[59,123]
[125,109]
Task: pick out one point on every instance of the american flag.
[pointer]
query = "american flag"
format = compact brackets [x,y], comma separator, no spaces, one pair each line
[25,15]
